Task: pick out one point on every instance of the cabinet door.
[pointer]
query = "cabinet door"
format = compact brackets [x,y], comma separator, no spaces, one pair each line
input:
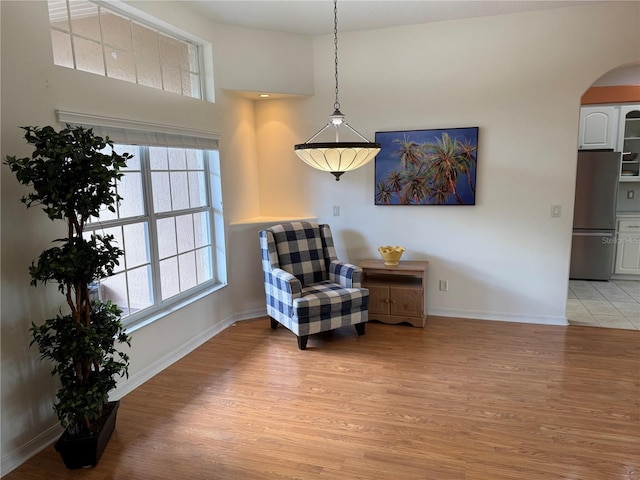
[629,142]
[406,301]
[598,127]
[378,300]
[628,253]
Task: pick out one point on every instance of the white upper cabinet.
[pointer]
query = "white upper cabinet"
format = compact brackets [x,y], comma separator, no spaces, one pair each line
[598,127]
[629,142]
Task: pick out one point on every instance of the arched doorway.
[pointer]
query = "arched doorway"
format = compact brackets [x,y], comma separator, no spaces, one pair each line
[611,112]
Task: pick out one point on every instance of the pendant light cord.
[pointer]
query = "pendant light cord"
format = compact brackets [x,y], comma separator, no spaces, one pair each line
[336,105]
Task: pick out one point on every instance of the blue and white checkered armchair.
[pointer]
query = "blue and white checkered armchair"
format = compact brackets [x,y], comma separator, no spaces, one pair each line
[308,290]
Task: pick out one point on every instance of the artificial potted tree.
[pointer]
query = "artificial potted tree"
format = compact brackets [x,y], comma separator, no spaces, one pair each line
[73,174]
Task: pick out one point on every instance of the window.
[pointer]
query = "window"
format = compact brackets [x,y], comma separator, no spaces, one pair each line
[165,225]
[90,37]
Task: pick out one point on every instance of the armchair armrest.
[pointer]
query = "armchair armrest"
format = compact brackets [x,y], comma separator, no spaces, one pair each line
[285,282]
[281,288]
[346,274]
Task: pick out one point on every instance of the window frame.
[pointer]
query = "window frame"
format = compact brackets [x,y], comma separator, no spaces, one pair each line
[123,131]
[161,28]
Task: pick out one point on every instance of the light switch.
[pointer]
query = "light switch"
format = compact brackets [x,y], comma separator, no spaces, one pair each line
[556,210]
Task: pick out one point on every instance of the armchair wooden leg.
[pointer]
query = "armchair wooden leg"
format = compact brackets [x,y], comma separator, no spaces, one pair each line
[360,328]
[274,323]
[302,342]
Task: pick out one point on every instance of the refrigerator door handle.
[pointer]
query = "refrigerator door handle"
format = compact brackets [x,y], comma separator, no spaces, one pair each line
[593,234]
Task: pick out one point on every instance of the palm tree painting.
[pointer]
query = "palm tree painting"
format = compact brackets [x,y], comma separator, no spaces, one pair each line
[427,167]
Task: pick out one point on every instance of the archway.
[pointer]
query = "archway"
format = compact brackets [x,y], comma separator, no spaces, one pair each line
[611,111]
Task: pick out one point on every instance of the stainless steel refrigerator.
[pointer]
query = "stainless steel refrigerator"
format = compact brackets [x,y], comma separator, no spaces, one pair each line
[594,215]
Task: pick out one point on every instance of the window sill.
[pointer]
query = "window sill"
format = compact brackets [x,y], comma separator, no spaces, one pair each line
[249,222]
[157,315]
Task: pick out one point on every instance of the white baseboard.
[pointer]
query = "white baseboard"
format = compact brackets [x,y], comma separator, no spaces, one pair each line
[152,370]
[17,457]
[133,382]
[500,317]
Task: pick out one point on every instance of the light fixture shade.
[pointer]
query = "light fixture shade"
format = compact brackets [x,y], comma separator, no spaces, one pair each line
[337,157]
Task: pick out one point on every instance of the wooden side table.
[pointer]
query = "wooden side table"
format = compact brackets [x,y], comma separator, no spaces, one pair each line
[396,292]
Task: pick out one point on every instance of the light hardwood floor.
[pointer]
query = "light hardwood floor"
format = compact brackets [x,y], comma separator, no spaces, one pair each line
[459,399]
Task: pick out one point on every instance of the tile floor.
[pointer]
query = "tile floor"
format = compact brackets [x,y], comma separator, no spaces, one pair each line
[613,304]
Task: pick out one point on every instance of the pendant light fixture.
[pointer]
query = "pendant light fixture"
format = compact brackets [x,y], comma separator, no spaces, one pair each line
[337,157]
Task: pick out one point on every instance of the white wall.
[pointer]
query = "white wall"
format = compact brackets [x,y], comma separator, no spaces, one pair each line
[32,89]
[518,77]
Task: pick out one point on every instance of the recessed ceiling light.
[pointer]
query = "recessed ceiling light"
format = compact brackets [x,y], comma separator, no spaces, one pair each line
[264,95]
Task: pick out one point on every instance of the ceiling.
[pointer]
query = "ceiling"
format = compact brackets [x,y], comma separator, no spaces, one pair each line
[314,17]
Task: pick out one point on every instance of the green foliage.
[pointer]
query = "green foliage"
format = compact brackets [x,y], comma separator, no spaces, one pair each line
[73,175]
[76,261]
[86,360]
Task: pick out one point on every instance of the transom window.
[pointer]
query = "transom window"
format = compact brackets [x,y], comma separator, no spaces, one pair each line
[165,225]
[90,37]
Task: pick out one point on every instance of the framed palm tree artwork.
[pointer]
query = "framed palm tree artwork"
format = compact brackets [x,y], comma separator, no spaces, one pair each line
[427,167]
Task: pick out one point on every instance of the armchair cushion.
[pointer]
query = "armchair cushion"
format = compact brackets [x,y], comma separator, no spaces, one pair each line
[300,251]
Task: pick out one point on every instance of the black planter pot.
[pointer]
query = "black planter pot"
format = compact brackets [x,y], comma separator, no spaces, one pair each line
[84,451]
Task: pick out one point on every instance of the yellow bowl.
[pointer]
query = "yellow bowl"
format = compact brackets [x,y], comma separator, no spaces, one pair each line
[391,255]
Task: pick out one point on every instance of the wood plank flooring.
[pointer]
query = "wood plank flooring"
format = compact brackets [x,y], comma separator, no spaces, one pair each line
[457,400]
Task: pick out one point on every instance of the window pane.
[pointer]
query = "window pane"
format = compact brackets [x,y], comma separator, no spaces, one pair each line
[88,56]
[179,190]
[140,288]
[120,65]
[169,50]
[195,85]
[158,158]
[130,189]
[203,265]
[149,73]
[169,280]
[134,162]
[202,229]
[171,79]
[183,54]
[117,241]
[184,227]
[177,158]
[62,54]
[84,19]
[161,192]
[58,15]
[116,30]
[195,160]
[166,237]
[187,264]
[193,59]
[145,42]
[136,244]
[197,189]
[115,289]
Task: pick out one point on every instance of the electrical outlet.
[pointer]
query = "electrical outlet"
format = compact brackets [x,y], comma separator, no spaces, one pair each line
[336,210]
[556,210]
[444,286]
